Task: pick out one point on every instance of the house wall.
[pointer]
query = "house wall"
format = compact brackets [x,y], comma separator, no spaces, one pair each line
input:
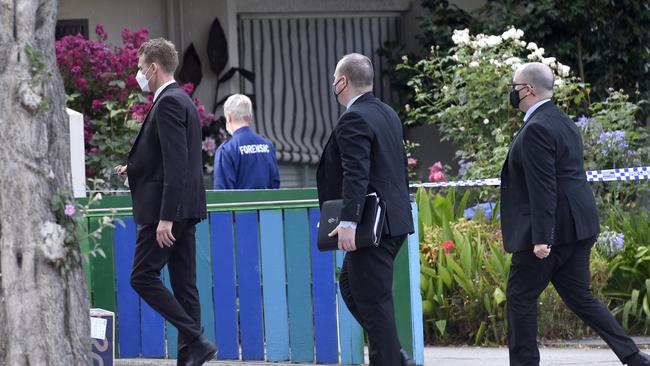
[188,21]
[117,14]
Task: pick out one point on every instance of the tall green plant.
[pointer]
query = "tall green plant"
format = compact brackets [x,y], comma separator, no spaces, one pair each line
[629,271]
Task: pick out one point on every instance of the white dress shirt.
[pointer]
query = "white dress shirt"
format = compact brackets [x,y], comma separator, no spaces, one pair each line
[351,102]
[534,108]
[162,87]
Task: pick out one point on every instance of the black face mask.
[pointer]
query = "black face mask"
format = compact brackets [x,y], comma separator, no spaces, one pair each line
[336,95]
[514,96]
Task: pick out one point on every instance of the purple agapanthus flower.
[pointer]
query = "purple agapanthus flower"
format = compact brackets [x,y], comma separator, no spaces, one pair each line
[463,169]
[487,208]
[612,141]
[610,242]
[617,242]
[583,122]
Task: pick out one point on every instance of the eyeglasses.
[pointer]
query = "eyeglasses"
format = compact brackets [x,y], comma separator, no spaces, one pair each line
[512,85]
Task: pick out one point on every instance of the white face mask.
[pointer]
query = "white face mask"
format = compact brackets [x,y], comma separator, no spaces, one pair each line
[142,80]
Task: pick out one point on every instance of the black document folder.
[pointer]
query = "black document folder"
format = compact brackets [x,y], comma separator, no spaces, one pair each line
[368,230]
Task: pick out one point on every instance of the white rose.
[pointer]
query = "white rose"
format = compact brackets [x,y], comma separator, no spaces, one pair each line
[454,57]
[532,46]
[405,59]
[513,33]
[493,41]
[512,60]
[473,64]
[460,37]
[445,89]
[486,121]
[559,82]
[564,70]
[548,60]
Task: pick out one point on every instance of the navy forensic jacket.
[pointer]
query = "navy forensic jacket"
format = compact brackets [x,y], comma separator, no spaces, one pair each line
[246,161]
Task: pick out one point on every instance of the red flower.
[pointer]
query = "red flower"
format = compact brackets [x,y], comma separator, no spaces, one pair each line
[448,246]
[97,104]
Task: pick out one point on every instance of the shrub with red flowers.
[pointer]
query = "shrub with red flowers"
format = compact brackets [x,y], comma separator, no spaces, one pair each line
[100,83]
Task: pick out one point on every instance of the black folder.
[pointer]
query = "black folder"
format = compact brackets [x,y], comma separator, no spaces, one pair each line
[368,230]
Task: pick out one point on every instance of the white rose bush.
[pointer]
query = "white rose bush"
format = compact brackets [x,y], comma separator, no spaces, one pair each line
[465,94]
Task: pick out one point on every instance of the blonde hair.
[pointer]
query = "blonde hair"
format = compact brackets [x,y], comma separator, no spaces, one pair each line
[162,52]
[239,107]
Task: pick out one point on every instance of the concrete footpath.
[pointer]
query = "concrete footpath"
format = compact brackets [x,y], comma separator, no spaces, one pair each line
[576,353]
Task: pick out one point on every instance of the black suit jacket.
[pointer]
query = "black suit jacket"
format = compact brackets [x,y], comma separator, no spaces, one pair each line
[165,164]
[365,154]
[545,196]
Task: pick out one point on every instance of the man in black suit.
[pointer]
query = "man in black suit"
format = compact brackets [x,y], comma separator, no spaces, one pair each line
[365,154]
[549,221]
[165,175]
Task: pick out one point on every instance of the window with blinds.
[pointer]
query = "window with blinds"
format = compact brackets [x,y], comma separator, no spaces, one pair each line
[293,59]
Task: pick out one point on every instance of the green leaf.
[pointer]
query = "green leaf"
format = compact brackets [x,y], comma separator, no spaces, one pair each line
[441,325]
[118,83]
[427,309]
[478,339]
[499,296]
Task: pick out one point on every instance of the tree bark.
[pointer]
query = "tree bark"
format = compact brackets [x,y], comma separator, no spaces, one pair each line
[44,316]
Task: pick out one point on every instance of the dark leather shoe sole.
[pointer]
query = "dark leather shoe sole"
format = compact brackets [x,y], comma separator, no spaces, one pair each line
[210,354]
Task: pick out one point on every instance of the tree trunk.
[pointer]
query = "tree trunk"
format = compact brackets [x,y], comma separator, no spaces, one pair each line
[44,316]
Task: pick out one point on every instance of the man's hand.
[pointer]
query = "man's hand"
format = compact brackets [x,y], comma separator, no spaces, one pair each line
[542,250]
[121,170]
[346,238]
[164,235]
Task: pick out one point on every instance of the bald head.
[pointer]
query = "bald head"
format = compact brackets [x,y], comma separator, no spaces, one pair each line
[538,76]
[357,68]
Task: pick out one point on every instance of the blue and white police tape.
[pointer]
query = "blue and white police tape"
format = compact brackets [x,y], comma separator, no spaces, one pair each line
[607,175]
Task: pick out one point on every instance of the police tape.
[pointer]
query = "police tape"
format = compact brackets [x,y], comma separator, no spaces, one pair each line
[606,175]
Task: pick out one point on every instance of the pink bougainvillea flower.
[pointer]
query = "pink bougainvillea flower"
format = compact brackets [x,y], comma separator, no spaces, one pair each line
[189,88]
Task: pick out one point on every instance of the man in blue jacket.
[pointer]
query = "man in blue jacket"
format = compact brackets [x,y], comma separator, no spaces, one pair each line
[247,160]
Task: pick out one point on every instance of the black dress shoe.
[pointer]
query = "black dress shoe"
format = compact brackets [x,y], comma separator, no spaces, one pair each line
[638,359]
[183,354]
[406,361]
[200,351]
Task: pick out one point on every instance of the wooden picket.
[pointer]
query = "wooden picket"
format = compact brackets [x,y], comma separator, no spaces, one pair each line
[266,291]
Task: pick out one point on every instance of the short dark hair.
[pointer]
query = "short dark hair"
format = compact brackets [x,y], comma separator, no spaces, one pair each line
[358,69]
[160,51]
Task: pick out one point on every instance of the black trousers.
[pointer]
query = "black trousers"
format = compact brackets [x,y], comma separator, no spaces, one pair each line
[182,308]
[567,267]
[366,283]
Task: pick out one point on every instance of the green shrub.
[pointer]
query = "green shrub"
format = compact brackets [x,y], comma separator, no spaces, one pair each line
[464,273]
